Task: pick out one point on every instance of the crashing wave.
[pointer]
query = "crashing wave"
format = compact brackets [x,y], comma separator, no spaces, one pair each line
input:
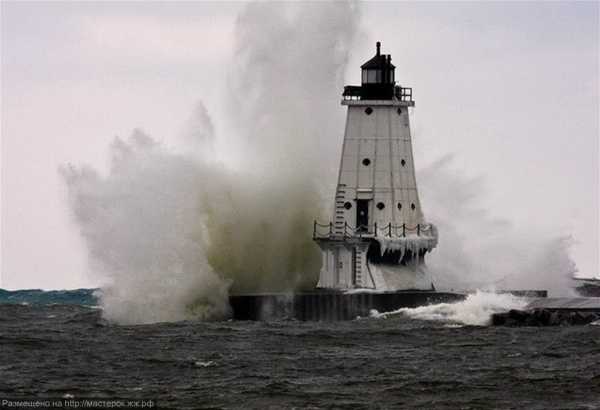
[477,309]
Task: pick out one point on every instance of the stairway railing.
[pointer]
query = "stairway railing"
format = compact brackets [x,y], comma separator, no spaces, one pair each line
[324,231]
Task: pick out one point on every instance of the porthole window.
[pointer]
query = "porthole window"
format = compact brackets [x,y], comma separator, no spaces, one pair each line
[413,207]
[366,162]
[399,206]
[368,110]
[399,111]
[403,163]
[380,206]
[347,205]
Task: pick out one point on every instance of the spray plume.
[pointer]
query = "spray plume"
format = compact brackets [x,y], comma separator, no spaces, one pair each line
[140,224]
[173,232]
[479,250]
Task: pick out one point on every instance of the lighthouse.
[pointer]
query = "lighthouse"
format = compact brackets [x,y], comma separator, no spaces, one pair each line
[377,237]
[375,244]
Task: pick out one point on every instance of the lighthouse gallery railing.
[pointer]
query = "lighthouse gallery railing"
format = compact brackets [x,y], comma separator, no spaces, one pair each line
[326,231]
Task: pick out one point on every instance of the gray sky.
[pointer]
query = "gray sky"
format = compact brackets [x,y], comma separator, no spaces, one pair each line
[510,88]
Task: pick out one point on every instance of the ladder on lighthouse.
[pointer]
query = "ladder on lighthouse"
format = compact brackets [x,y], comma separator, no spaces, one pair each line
[357,256]
[339,223]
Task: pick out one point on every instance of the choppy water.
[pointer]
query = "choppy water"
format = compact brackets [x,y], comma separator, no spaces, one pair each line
[396,362]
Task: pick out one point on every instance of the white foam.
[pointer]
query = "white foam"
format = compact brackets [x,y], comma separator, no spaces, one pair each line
[476,309]
[361,290]
[209,363]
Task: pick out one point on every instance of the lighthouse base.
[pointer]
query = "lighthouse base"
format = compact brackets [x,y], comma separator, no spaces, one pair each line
[392,278]
[380,264]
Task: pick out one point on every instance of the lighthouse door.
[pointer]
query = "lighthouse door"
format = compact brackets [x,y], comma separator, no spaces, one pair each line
[362,215]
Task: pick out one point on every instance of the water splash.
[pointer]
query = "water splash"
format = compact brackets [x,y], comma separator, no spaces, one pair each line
[171,231]
[475,310]
[480,250]
[140,225]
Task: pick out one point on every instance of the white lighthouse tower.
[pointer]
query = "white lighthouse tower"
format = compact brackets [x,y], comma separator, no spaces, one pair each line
[378,237]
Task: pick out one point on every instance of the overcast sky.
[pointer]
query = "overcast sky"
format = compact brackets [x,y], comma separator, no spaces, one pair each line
[510,88]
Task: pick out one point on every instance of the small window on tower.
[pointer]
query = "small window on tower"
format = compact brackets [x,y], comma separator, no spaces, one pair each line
[368,110]
[403,163]
[380,206]
[347,205]
[399,111]
[366,162]
[399,206]
[413,207]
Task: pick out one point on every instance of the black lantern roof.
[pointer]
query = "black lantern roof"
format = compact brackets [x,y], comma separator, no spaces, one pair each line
[380,61]
[378,82]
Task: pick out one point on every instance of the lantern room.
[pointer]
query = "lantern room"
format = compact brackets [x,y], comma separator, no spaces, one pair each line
[379,69]
[377,80]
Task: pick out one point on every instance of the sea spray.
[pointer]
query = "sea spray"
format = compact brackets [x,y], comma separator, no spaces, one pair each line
[172,231]
[172,234]
[476,309]
[286,78]
[141,227]
[260,235]
[478,249]
[285,109]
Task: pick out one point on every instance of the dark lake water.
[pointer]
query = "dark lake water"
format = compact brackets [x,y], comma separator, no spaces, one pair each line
[393,362]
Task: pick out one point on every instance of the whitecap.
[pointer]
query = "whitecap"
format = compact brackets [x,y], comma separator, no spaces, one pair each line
[209,363]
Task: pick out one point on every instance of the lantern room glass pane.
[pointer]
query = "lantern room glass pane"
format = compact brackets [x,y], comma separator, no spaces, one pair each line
[371,76]
[377,76]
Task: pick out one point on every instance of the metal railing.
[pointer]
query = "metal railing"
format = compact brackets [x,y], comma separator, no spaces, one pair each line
[352,92]
[403,93]
[355,92]
[324,231]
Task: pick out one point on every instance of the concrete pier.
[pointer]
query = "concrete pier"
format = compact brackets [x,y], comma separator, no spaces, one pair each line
[552,312]
[331,305]
[566,304]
